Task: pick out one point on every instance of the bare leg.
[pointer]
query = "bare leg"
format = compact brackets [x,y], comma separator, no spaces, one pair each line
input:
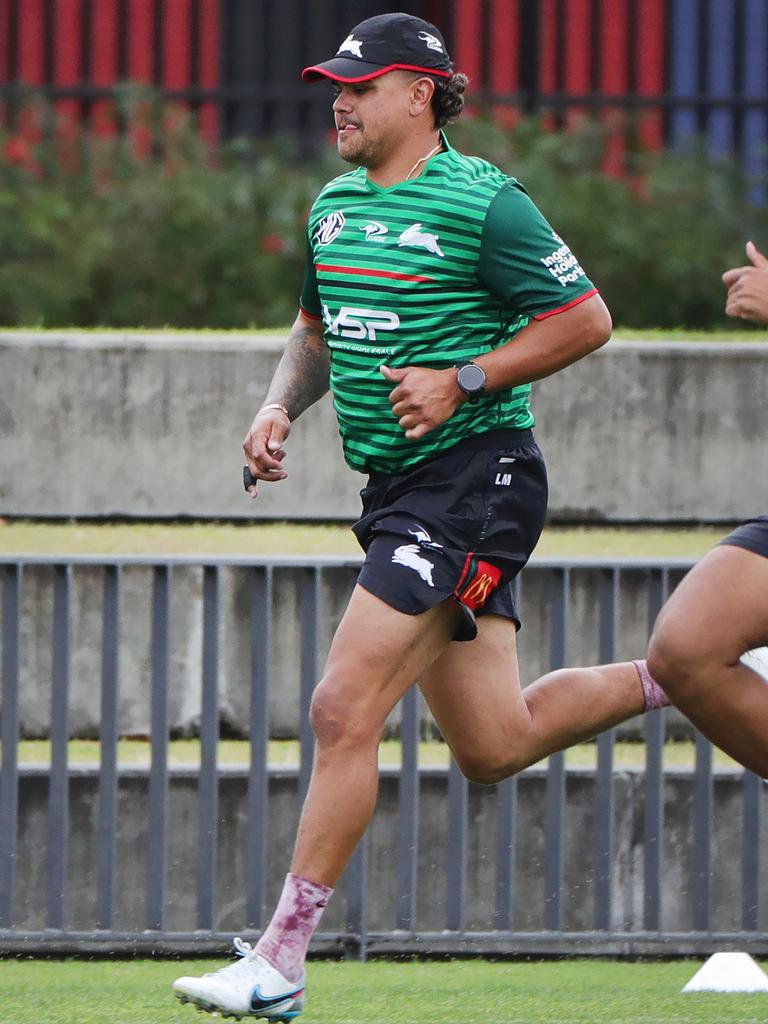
[375,657]
[719,611]
[495,728]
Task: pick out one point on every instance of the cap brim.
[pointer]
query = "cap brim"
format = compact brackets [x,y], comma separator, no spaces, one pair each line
[342,69]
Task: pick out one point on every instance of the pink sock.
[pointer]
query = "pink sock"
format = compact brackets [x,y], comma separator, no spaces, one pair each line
[653,695]
[286,939]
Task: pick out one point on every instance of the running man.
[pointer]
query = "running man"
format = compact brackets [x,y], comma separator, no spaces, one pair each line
[435,292]
[720,610]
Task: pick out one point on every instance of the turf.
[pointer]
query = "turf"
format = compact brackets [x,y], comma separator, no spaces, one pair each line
[466,992]
[133,752]
[259,539]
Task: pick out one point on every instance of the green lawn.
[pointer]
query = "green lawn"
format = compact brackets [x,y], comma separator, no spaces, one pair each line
[257,539]
[678,754]
[465,992]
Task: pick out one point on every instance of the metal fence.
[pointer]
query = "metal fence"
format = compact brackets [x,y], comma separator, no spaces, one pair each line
[678,66]
[354,935]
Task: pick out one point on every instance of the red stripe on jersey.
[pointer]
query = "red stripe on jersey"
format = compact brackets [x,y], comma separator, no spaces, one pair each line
[562,309]
[326,268]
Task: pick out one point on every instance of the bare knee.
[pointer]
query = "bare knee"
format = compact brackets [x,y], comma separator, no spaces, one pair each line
[678,661]
[487,769]
[337,721]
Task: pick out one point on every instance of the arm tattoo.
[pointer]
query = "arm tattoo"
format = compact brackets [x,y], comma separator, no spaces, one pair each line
[301,377]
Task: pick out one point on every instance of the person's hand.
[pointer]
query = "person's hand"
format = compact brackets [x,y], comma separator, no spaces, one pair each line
[748,288]
[422,399]
[263,446]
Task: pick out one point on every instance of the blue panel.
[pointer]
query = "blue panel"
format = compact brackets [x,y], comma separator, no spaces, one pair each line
[755,71]
[720,78]
[684,65]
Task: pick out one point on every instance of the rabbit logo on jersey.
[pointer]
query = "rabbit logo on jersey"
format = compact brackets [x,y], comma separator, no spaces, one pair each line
[330,227]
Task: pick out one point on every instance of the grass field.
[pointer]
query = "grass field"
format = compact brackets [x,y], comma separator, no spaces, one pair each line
[255,539]
[132,752]
[466,992]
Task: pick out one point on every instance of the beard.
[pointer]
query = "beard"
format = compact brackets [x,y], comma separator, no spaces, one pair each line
[362,152]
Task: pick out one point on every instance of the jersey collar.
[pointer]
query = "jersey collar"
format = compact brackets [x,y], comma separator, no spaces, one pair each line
[373,187]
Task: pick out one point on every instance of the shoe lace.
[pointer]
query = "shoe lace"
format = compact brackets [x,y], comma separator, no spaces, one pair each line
[243,966]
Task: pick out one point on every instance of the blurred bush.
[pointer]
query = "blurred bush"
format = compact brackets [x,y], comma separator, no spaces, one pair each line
[655,240]
[141,224]
[149,226]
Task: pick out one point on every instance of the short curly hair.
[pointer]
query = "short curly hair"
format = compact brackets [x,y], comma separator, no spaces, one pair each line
[448,98]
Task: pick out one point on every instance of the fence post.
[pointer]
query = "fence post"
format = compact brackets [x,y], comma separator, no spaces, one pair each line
[108,733]
[554,800]
[157,844]
[58,782]
[9,735]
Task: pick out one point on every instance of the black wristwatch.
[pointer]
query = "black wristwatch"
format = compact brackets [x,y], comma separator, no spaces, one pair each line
[471,379]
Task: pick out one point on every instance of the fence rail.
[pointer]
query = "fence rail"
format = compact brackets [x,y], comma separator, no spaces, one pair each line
[214,795]
[685,66]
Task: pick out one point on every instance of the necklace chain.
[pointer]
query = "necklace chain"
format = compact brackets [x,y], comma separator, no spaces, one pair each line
[432,152]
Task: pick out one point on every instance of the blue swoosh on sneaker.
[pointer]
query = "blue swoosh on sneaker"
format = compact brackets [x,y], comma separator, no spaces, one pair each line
[260,1002]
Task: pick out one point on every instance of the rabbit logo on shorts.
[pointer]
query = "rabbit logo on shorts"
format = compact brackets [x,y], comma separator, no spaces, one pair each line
[408,555]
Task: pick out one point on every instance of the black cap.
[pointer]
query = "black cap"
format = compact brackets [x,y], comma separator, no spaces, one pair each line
[387,42]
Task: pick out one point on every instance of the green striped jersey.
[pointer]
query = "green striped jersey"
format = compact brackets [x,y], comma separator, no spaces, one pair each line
[429,272]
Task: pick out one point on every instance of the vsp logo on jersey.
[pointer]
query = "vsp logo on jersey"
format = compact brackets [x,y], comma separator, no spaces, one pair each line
[330,227]
[351,322]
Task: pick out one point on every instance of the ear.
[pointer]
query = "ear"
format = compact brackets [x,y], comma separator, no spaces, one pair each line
[421,96]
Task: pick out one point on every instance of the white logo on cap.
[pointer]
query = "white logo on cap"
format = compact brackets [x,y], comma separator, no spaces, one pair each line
[329,227]
[351,45]
[433,43]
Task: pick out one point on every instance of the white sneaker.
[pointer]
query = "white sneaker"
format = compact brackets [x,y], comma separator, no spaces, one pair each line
[250,987]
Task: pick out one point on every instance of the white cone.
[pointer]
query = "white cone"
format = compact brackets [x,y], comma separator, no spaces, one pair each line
[729,972]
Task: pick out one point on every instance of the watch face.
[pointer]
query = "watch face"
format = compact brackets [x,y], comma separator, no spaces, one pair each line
[471,379]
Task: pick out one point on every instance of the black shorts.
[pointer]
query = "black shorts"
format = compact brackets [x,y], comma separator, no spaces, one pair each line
[461,525]
[752,535]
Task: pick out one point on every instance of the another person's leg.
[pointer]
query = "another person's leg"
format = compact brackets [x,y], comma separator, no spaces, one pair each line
[716,614]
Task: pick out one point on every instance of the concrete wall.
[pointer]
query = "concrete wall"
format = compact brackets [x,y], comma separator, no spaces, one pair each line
[143,425]
[36,654]
[627,872]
